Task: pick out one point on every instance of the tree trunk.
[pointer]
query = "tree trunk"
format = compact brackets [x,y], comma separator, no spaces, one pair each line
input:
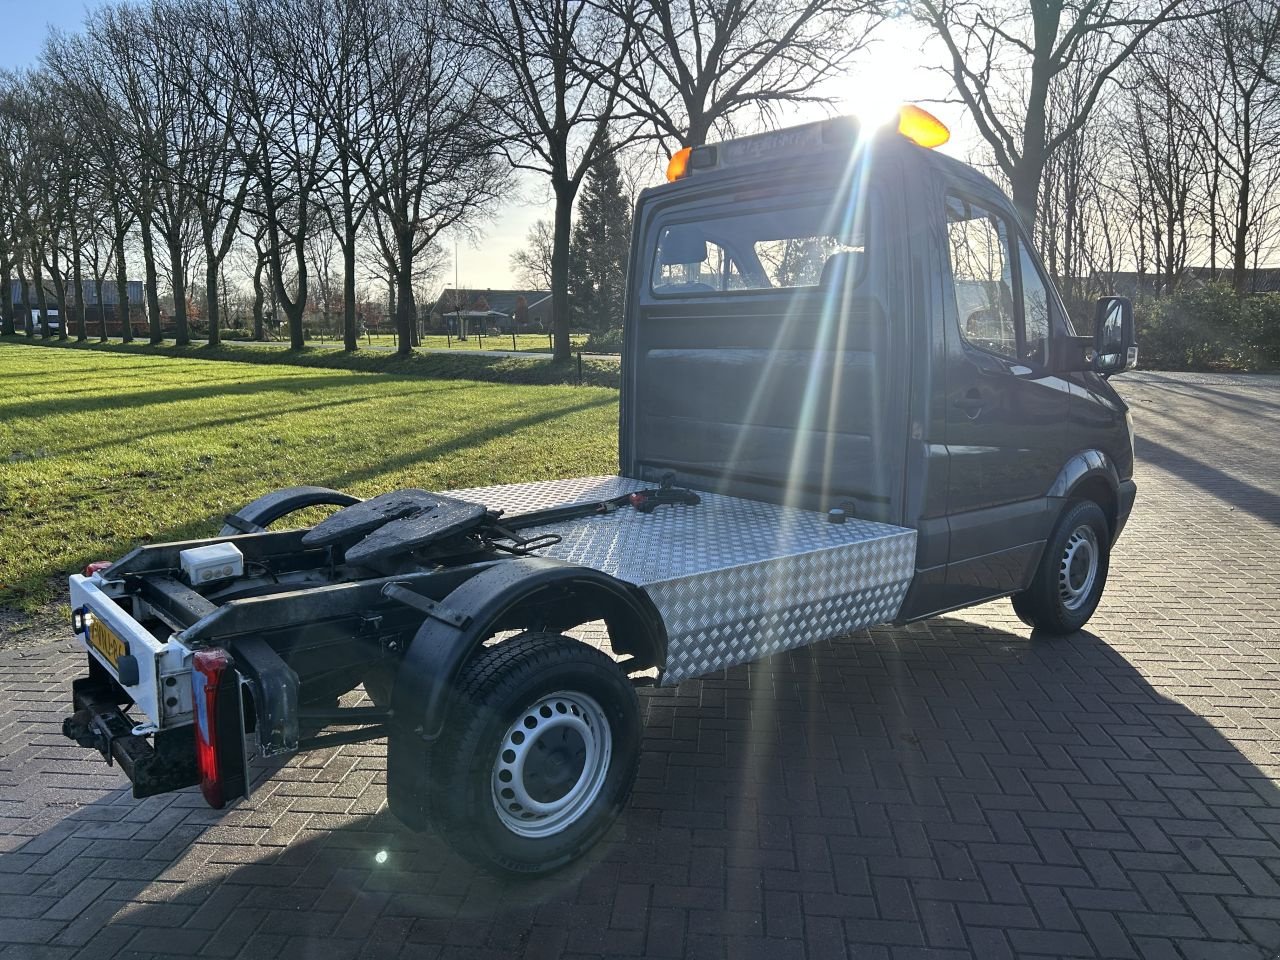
[1025,187]
[122,287]
[59,294]
[24,301]
[1240,241]
[699,129]
[293,313]
[77,286]
[150,283]
[405,304]
[391,294]
[560,270]
[350,334]
[6,306]
[259,300]
[182,328]
[211,311]
[41,300]
[99,285]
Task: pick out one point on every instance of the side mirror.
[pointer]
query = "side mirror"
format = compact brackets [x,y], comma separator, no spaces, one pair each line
[1114,341]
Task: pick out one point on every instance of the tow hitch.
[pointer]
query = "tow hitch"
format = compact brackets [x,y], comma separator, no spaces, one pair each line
[98,722]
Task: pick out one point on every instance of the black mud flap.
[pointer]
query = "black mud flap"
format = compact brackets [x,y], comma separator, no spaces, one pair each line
[165,762]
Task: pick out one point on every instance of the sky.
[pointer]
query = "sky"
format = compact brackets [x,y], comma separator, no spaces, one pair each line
[894,69]
[24,24]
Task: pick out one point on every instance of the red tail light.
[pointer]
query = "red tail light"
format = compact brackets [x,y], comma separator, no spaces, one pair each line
[220,756]
[92,568]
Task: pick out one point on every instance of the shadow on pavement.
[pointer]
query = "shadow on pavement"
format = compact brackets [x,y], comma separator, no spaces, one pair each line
[1252,499]
[946,786]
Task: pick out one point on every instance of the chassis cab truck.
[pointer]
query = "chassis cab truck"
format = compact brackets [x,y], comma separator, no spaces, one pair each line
[850,396]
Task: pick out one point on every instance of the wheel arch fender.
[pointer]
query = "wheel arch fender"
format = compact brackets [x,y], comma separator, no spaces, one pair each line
[511,595]
[508,595]
[1090,475]
[254,516]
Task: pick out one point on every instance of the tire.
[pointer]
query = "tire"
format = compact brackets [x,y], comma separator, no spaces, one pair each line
[256,516]
[1072,574]
[538,754]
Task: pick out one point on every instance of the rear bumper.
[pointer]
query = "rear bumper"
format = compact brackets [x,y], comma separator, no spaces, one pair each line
[1126,494]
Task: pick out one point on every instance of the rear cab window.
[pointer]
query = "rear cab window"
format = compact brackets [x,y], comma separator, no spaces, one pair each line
[807,246]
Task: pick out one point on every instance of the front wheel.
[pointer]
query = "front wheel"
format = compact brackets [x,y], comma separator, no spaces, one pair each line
[1073,571]
[538,755]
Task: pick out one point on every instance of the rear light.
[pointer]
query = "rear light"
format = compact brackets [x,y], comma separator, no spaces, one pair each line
[91,568]
[220,755]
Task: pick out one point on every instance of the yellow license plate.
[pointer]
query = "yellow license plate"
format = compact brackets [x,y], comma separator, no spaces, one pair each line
[107,643]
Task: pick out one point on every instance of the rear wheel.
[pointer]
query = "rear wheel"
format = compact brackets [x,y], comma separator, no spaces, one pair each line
[1072,574]
[538,754]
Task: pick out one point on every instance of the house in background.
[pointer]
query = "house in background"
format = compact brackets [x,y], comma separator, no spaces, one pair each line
[527,311]
[93,310]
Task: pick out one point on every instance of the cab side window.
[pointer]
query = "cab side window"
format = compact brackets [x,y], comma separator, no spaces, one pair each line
[982,271]
[1035,308]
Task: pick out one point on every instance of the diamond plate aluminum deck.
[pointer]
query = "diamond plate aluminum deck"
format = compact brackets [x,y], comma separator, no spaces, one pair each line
[734,579]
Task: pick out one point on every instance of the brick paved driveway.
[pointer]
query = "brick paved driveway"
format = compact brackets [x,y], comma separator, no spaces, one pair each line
[948,789]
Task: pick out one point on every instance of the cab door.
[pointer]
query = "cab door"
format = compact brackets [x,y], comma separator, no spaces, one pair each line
[1006,413]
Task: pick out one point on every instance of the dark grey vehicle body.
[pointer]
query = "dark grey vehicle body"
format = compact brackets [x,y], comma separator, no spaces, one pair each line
[916,426]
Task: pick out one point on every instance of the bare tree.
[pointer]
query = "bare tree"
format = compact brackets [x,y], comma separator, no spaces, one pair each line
[206,160]
[532,263]
[1238,113]
[279,131]
[134,104]
[432,158]
[1162,142]
[701,64]
[556,91]
[342,80]
[1004,61]
[10,229]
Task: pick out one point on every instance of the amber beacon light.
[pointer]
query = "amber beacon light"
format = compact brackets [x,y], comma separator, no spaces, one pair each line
[678,165]
[921,127]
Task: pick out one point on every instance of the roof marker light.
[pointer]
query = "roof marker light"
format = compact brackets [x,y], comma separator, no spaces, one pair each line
[921,127]
[678,165]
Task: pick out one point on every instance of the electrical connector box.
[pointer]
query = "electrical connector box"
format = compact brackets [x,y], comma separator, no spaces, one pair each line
[217,561]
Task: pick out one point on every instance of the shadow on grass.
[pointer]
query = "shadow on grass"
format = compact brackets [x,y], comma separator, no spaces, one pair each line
[945,786]
[466,440]
[163,395]
[256,416]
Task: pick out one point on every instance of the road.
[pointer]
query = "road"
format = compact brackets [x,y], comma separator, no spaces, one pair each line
[948,789]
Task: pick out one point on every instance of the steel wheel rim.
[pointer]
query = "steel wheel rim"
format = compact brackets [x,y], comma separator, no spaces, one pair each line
[551,764]
[1078,569]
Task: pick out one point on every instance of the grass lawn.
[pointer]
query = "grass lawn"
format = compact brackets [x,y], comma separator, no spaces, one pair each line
[531,369]
[101,451]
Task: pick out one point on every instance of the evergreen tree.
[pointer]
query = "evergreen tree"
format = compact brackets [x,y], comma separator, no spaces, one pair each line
[599,247]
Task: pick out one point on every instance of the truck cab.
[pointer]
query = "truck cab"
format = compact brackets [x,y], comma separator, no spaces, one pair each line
[824,317]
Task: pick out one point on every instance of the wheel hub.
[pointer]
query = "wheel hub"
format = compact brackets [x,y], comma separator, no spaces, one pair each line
[551,764]
[555,764]
[1078,569]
